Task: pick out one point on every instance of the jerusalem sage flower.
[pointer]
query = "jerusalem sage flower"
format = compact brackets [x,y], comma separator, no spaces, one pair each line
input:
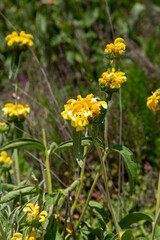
[19,41]
[111,80]
[115,50]
[153,102]
[82,110]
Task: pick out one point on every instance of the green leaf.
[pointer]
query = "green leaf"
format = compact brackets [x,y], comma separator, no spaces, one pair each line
[100,213]
[52,235]
[22,142]
[131,166]
[65,192]
[77,148]
[9,187]
[84,142]
[127,235]
[135,217]
[109,236]
[14,65]
[27,190]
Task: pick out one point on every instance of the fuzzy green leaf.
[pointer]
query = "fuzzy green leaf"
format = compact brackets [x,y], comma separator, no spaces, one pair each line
[135,217]
[127,235]
[131,166]
[22,142]
[27,190]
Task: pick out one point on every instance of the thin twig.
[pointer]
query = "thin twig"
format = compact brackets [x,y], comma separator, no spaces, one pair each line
[7,20]
[110,20]
[65,222]
[101,233]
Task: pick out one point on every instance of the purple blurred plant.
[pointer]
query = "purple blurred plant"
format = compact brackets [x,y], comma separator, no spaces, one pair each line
[22,79]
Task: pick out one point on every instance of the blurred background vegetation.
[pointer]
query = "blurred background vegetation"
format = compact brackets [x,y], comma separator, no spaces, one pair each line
[68,58]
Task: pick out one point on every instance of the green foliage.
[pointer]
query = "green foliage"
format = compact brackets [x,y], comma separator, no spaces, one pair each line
[135,217]
[131,166]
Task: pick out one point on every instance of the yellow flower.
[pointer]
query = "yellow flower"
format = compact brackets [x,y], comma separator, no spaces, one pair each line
[116,50]
[21,41]
[17,236]
[4,158]
[33,215]
[33,236]
[153,102]
[16,112]
[111,80]
[82,110]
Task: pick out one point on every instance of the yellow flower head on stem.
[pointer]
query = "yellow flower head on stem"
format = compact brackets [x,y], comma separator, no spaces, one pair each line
[81,111]
[115,50]
[16,112]
[111,80]
[153,102]
[19,41]
[4,158]
[33,215]
[17,236]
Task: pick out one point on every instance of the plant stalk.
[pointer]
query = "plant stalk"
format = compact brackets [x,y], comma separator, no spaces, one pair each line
[158,196]
[48,175]
[17,166]
[88,199]
[81,182]
[107,190]
[154,224]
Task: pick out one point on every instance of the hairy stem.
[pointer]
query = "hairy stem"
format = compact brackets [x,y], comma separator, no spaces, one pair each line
[106,189]
[88,199]
[48,175]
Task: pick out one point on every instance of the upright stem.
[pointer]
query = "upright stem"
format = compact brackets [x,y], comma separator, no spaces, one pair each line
[106,189]
[48,182]
[154,224]
[17,166]
[106,133]
[89,197]
[81,181]
[158,196]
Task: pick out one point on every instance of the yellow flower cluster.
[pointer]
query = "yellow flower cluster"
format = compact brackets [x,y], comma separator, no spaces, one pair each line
[153,102]
[16,112]
[4,158]
[32,236]
[20,41]
[115,50]
[111,80]
[3,127]
[82,110]
[33,215]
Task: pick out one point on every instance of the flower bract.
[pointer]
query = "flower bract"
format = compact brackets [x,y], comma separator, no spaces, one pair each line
[83,110]
[3,127]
